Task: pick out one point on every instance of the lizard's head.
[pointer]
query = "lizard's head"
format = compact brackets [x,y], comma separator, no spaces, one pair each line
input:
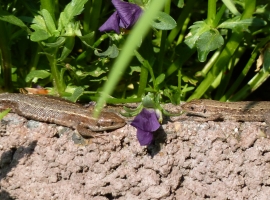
[109,121]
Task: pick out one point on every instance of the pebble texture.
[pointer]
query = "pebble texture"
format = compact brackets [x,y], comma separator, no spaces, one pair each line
[189,160]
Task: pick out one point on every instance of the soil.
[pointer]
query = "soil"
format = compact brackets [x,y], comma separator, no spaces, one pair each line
[188,160]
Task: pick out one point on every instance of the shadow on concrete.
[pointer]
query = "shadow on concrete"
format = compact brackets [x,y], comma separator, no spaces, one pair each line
[9,160]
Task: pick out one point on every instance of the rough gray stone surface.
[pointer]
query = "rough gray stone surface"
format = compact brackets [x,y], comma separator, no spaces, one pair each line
[189,160]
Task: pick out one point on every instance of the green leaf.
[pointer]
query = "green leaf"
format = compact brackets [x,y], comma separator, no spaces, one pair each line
[37,74]
[242,25]
[59,42]
[230,5]
[134,69]
[196,30]
[38,23]
[266,59]
[72,29]
[39,35]
[69,44]
[189,79]
[111,52]
[4,113]
[7,17]
[48,21]
[42,31]
[78,91]
[75,7]
[94,71]
[208,41]
[104,78]
[160,79]
[164,22]
[88,38]
[187,89]
[171,95]
[131,112]
[179,3]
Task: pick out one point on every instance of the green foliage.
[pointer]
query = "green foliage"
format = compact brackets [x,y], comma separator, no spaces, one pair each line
[239,25]
[37,74]
[164,22]
[196,30]
[231,6]
[208,41]
[7,17]
[43,26]
[266,59]
[74,8]
[178,50]
[111,52]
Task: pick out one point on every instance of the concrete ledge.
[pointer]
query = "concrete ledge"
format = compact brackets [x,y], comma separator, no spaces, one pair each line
[189,160]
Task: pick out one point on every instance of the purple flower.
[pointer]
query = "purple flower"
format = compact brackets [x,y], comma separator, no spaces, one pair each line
[146,122]
[125,16]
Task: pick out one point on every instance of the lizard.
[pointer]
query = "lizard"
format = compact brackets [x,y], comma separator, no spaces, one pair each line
[49,109]
[211,110]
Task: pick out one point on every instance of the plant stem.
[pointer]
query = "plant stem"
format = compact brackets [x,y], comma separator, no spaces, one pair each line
[226,75]
[143,75]
[251,86]
[56,75]
[186,53]
[246,69]
[181,21]
[35,57]
[211,12]
[162,48]
[91,16]
[183,30]
[219,15]
[6,63]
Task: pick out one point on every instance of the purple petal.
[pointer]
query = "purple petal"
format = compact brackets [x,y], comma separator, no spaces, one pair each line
[112,24]
[128,13]
[145,138]
[146,121]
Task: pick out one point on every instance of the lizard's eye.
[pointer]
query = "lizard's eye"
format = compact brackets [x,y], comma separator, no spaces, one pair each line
[204,110]
[192,108]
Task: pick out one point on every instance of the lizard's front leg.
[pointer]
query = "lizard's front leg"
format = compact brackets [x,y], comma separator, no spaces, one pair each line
[86,132]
